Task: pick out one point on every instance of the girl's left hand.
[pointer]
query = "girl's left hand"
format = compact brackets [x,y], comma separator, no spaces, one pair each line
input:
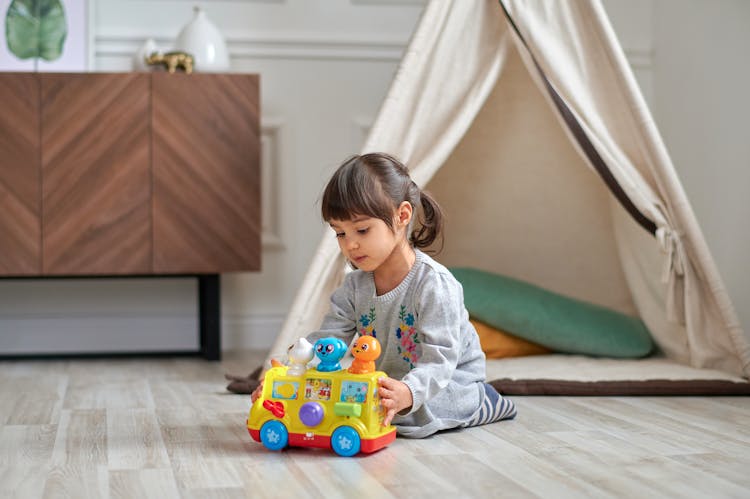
[395,396]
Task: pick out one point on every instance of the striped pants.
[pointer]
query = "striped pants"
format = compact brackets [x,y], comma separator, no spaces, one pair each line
[494,408]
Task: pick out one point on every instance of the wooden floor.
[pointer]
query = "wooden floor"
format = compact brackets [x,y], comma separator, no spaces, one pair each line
[167,428]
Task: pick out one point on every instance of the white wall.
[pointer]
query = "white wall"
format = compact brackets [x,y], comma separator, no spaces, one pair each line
[325,66]
[701,103]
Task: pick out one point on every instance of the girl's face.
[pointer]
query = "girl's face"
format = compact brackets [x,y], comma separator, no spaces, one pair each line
[368,242]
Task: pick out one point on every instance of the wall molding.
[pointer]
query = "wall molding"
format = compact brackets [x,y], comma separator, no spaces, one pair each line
[268,45]
[250,332]
[240,1]
[298,45]
[270,173]
[640,58]
[388,2]
[360,129]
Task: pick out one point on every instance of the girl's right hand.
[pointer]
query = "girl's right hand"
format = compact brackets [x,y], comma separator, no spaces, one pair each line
[395,396]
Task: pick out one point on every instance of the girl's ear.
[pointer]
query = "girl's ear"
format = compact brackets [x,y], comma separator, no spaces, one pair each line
[404,213]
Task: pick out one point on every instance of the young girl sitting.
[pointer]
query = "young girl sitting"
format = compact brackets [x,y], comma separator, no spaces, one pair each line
[404,298]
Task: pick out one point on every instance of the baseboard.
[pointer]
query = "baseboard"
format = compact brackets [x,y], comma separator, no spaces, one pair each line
[63,333]
[67,334]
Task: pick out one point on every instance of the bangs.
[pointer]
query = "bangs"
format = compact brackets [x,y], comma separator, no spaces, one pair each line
[353,191]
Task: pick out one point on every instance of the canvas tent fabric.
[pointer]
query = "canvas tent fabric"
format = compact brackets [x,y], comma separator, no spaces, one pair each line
[501,110]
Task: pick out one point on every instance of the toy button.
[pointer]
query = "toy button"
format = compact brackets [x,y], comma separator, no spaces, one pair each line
[276,408]
[311,414]
[347,409]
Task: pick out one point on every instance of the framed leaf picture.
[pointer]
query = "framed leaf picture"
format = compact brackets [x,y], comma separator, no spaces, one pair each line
[45,35]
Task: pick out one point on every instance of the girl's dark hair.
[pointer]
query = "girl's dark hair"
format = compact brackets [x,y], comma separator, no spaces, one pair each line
[374,185]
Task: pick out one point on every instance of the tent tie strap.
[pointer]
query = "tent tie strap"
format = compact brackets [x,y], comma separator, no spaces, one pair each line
[670,242]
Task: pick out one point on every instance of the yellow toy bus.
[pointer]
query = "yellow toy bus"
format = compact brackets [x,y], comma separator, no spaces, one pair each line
[321,407]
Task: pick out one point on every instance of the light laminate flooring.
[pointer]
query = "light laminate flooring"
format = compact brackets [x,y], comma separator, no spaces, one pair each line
[167,428]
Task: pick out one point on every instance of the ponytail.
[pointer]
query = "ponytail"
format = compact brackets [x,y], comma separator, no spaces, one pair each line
[430,223]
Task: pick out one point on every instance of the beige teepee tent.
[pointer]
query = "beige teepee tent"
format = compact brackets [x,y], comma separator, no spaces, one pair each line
[525,121]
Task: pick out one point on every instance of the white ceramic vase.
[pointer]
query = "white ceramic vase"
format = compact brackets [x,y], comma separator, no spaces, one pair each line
[202,39]
[145,50]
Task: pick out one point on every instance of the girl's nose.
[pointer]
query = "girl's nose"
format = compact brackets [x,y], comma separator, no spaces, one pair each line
[352,244]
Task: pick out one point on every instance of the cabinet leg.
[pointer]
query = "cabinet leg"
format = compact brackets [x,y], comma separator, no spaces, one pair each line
[209,307]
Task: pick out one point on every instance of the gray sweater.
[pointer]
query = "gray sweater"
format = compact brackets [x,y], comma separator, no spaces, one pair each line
[426,338]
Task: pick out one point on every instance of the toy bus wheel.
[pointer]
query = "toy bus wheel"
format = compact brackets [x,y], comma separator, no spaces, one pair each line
[274,435]
[345,441]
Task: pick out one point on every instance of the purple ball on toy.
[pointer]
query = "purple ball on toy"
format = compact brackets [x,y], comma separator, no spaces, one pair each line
[311,414]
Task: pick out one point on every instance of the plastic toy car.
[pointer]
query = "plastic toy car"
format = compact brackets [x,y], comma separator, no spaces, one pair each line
[336,409]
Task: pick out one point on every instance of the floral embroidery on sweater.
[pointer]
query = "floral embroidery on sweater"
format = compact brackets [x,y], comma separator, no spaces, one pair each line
[408,337]
[367,323]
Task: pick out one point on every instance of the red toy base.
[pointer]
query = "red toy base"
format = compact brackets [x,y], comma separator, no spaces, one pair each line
[323,442]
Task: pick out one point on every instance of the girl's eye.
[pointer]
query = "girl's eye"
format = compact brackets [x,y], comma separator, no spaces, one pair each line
[339,234]
[363,231]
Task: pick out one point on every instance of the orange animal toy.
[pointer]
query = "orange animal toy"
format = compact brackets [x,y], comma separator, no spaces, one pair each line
[365,350]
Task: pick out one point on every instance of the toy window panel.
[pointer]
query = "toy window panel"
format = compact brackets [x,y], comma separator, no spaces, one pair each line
[354,391]
[317,389]
[286,390]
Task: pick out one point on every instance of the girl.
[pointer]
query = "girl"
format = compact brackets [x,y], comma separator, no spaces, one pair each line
[404,298]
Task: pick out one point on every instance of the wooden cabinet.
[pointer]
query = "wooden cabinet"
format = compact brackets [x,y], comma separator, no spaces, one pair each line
[117,174]
[96,174]
[20,175]
[205,173]
[132,173]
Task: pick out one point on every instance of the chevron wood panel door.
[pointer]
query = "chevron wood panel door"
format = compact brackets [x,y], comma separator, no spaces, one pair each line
[20,224]
[96,174]
[206,169]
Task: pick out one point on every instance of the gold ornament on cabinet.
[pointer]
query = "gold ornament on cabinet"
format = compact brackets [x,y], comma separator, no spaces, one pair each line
[172,61]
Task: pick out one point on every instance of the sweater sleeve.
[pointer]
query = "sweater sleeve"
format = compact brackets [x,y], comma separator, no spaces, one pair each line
[340,321]
[440,312]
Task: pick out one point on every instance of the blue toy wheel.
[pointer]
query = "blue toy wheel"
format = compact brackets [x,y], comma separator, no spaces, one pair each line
[274,435]
[345,441]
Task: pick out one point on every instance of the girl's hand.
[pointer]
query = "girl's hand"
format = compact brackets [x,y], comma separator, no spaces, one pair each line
[257,392]
[395,396]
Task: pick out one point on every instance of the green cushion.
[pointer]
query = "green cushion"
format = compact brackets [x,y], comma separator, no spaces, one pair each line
[550,319]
